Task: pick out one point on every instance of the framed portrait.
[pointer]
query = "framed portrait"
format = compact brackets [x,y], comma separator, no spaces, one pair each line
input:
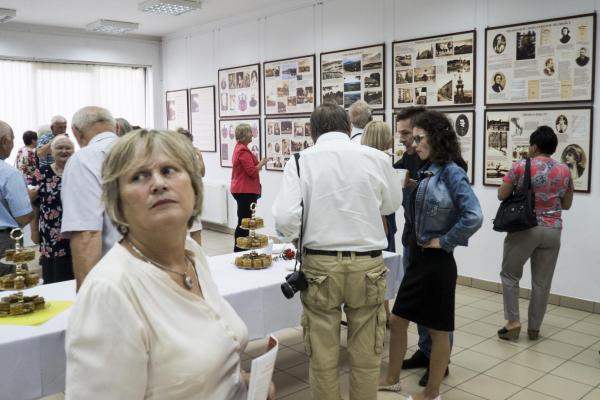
[227,140]
[436,71]
[506,140]
[354,74]
[289,86]
[239,91]
[547,61]
[463,122]
[203,118]
[284,137]
[177,109]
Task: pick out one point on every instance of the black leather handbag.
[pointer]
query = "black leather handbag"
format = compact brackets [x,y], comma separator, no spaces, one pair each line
[517,212]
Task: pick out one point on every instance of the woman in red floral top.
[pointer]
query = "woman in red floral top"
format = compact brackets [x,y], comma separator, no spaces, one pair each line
[27,161]
[553,188]
[55,252]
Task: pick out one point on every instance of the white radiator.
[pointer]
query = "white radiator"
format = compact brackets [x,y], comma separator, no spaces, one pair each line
[215,203]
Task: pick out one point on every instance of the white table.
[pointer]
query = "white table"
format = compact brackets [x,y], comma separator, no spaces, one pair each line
[32,358]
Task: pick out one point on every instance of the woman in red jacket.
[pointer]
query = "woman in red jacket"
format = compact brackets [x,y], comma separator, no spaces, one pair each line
[245,182]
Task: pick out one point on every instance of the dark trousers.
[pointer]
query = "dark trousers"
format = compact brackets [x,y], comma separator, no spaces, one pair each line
[57,269]
[243,211]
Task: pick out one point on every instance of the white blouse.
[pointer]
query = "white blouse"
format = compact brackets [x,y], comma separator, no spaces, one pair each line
[135,334]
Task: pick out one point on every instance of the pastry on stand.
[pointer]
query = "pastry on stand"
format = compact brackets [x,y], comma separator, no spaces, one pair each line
[253,241]
[19,257]
[17,303]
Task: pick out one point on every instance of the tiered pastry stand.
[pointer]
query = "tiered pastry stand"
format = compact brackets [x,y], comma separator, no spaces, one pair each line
[253,260]
[22,278]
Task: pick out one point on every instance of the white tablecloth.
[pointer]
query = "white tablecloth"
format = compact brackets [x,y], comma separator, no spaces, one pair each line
[32,358]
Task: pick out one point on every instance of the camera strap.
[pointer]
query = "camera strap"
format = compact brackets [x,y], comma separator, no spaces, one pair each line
[299,249]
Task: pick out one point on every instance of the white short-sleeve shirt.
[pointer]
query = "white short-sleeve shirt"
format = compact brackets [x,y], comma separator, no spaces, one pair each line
[81,194]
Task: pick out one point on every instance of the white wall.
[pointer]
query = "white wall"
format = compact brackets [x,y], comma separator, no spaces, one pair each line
[192,57]
[28,42]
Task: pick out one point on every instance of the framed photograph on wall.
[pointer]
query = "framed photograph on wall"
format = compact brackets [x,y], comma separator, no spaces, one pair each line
[547,61]
[289,86]
[239,91]
[378,117]
[506,140]
[177,109]
[436,71]
[227,140]
[203,118]
[354,74]
[285,136]
[464,125]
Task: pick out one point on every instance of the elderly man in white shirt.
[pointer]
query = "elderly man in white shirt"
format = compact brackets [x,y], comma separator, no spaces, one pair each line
[360,116]
[344,189]
[84,220]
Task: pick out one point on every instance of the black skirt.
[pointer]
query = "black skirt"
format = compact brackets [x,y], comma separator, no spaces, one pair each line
[426,294]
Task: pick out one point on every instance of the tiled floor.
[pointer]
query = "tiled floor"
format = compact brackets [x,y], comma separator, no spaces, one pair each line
[563,364]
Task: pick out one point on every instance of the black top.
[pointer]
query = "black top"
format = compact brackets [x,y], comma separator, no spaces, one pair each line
[413,164]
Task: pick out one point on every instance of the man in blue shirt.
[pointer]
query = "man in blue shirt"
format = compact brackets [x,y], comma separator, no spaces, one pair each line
[44,151]
[15,206]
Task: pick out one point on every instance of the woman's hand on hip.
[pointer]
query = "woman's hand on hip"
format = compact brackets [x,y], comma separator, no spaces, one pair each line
[433,244]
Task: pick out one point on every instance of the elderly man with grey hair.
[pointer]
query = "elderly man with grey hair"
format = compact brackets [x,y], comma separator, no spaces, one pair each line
[15,206]
[84,221]
[58,126]
[360,116]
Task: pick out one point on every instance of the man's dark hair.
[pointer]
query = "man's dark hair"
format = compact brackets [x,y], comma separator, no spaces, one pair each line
[410,113]
[329,117]
[441,138]
[545,139]
[29,137]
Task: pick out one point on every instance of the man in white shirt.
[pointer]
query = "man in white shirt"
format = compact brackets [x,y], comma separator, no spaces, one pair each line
[360,116]
[345,189]
[84,220]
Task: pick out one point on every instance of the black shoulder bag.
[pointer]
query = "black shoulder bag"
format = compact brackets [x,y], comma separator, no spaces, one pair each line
[517,212]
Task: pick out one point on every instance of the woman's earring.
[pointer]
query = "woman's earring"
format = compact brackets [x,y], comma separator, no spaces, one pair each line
[124,230]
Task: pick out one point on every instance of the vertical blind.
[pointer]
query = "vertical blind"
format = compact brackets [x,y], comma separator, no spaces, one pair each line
[33,92]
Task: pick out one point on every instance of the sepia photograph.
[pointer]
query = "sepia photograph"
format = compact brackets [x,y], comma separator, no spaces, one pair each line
[462,94]
[574,157]
[425,51]
[332,70]
[458,65]
[333,94]
[444,93]
[461,125]
[283,89]
[286,127]
[372,80]
[373,97]
[272,72]
[549,67]
[403,60]
[421,96]
[498,82]
[425,74]
[526,45]
[496,169]
[372,60]
[444,49]
[562,124]
[463,47]
[405,96]
[499,43]
[404,76]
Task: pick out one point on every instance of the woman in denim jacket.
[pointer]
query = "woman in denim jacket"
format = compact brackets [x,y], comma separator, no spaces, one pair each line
[446,213]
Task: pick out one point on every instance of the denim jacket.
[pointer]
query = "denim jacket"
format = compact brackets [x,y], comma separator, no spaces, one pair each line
[446,207]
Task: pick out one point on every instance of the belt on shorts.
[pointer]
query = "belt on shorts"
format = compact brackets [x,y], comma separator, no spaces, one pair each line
[372,253]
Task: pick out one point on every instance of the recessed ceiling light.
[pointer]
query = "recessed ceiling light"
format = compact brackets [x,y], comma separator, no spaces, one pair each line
[171,7]
[6,14]
[112,27]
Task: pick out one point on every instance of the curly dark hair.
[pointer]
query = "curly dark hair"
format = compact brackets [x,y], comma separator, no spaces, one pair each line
[441,137]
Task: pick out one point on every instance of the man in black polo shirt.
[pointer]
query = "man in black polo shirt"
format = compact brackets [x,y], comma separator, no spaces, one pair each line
[411,162]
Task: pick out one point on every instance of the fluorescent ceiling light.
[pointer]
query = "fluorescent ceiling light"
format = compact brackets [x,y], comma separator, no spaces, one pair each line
[6,14]
[113,27]
[171,7]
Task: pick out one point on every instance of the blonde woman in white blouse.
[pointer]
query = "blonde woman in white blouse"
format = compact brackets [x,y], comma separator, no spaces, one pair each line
[149,322]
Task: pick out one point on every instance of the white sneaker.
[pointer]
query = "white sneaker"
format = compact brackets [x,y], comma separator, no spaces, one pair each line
[390,388]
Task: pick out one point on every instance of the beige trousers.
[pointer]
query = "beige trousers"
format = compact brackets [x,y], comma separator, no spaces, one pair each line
[358,284]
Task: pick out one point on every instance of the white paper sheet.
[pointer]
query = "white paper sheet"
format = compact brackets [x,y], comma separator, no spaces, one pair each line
[261,371]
